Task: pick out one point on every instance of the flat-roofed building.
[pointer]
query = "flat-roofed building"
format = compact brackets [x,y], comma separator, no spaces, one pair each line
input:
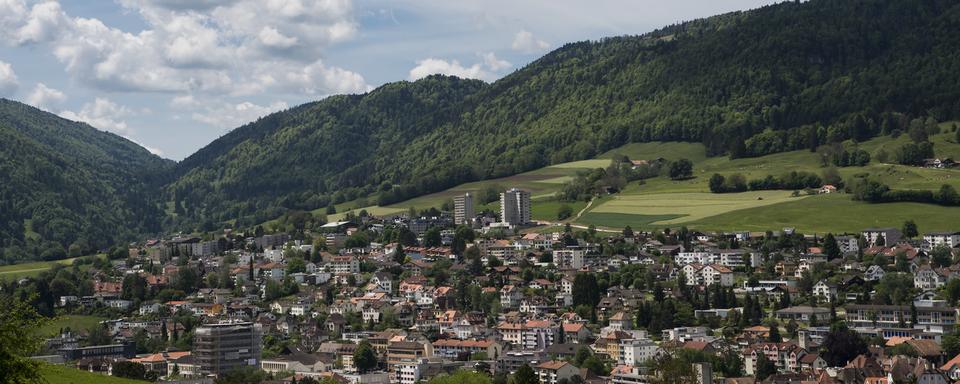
[220,348]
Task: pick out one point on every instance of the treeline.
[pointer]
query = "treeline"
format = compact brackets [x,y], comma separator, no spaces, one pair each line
[611,179]
[873,191]
[794,180]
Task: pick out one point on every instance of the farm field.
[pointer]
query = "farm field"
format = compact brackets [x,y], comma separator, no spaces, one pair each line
[17,271]
[690,206]
[661,202]
[834,213]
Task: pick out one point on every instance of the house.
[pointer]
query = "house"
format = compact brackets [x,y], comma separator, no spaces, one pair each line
[510,296]
[532,334]
[707,275]
[296,361]
[620,321]
[462,349]
[890,236]
[576,332]
[786,356]
[927,278]
[381,281]
[827,189]
[803,313]
[932,240]
[952,368]
[848,244]
[825,291]
[874,273]
[551,372]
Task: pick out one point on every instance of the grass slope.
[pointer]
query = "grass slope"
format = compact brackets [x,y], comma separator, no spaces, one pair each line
[74,322]
[16,271]
[661,202]
[58,374]
[834,213]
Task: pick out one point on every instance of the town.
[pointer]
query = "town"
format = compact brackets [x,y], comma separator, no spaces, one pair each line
[424,295]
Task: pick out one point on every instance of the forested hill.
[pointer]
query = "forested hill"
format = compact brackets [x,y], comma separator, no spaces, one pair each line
[782,77]
[64,183]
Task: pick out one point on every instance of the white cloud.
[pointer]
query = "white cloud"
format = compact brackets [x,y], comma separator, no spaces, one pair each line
[525,42]
[485,70]
[44,97]
[495,64]
[8,79]
[216,47]
[102,114]
[224,115]
[271,37]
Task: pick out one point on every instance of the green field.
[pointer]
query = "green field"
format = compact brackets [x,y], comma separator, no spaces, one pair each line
[661,202]
[74,322]
[621,220]
[690,206]
[58,374]
[16,271]
[835,213]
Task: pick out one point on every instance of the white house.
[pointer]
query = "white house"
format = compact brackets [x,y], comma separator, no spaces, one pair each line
[825,291]
[935,239]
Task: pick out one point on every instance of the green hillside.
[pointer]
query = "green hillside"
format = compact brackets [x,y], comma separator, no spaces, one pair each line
[661,202]
[780,78]
[762,87]
[66,184]
[58,374]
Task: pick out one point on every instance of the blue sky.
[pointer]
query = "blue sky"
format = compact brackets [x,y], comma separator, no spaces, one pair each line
[173,75]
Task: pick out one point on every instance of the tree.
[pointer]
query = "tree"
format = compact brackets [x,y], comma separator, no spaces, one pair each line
[399,256]
[910,229]
[564,212]
[951,344]
[585,290]
[830,247]
[841,345]
[18,340]
[583,353]
[941,256]
[525,375]
[681,169]
[765,367]
[129,369]
[627,232]
[716,183]
[595,366]
[432,237]
[364,358]
[775,332]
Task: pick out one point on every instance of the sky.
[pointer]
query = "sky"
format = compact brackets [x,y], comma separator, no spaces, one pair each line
[173,75]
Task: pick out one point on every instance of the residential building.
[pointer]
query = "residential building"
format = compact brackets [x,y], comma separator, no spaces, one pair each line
[933,317]
[219,348]
[825,291]
[890,236]
[463,212]
[551,372]
[515,207]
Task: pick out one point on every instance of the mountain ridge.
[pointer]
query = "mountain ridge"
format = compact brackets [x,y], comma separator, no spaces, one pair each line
[745,84]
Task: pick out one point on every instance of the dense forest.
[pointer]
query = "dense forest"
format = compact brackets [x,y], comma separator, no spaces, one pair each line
[783,77]
[67,187]
[790,76]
